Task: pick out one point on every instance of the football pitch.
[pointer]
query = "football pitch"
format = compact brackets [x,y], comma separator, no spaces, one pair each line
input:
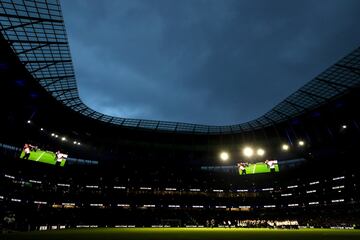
[186,234]
[43,156]
[259,168]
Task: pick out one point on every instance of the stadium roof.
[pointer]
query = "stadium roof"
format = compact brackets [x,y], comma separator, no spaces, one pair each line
[36,32]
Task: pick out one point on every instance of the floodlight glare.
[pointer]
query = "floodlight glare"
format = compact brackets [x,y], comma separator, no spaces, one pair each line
[285,147]
[224,156]
[248,151]
[75,142]
[28,121]
[63,138]
[56,136]
[344,126]
[301,143]
[260,152]
[53,134]
[78,143]
[41,129]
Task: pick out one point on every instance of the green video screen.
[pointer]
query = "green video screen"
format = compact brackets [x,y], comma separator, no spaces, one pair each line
[34,153]
[268,166]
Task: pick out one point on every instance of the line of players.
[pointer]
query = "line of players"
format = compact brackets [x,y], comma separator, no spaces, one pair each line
[269,163]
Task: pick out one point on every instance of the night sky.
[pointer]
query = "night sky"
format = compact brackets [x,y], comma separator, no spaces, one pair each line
[211,62]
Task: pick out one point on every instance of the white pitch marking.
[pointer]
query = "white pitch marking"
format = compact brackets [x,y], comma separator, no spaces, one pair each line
[254,168]
[40,156]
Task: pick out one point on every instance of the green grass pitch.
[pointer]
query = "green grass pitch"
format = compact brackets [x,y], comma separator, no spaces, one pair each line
[259,168]
[186,234]
[43,156]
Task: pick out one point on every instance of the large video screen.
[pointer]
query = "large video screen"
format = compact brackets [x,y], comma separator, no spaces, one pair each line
[34,153]
[246,167]
[268,166]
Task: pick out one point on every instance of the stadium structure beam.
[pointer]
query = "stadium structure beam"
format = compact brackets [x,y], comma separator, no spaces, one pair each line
[56,80]
[281,113]
[158,123]
[53,77]
[193,129]
[43,67]
[83,109]
[91,112]
[11,41]
[333,84]
[259,123]
[241,128]
[59,95]
[237,128]
[296,106]
[251,126]
[269,119]
[96,115]
[67,100]
[313,95]
[333,87]
[353,69]
[292,106]
[122,121]
[73,105]
[30,18]
[63,90]
[100,116]
[47,61]
[20,25]
[80,108]
[110,120]
[32,49]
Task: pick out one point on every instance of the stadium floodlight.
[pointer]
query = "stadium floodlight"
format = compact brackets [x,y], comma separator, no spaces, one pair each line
[53,134]
[75,142]
[285,147]
[78,143]
[248,152]
[29,121]
[301,143]
[344,126]
[56,136]
[41,129]
[260,152]
[63,139]
[224,156]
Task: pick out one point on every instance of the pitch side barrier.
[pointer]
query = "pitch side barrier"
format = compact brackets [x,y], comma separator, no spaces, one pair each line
[84,226]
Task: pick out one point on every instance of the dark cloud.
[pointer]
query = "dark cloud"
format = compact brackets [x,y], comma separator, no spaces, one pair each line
[212,62]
